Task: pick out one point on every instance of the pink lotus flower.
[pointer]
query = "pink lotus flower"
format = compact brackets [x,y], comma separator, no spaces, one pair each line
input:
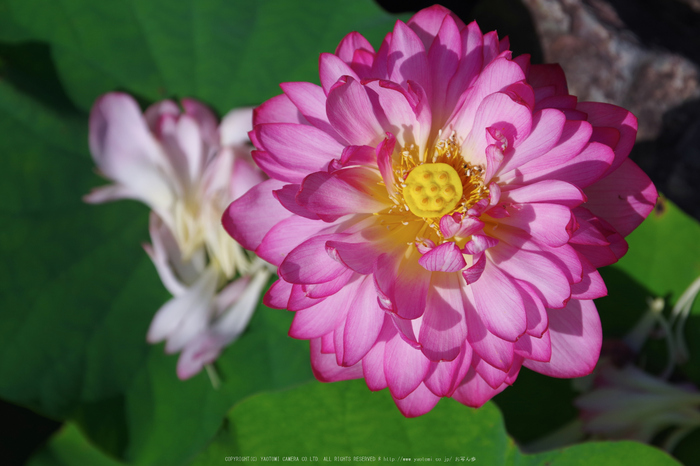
[187,168]
[437,211]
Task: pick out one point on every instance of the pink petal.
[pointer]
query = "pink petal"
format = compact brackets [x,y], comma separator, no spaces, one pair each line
[404,367]
[451,226]
[591,286]
[494,350]
[385,150]
[553,191]
[410,289]
[494,377]
[549,281]
[358,155]
[373,362]
[286,235]
[324,316]
[535,349]
[444,376]
[496,76]
[418,402]
[309,262]
[445,258]
[583,170]
[499,304]
[352,113]
[156,111]
[575,136]
[278,295]
[364,321]
[547,128]
[408,329]
[557,101]
[350,44]
[380,62]
[491,46]
[399,112]
[443,60]
[287,196]
[474,391]
[497,111]
[479,244]
[325,367]
[167,258]
[321,290]
[427,22]
[278,109]
[548,75]
[346,191]
[327,344]
[359,257]
[601,114]
[407,60]
[300,149]
[576,338]
[311,101]
[624,198]
[331,69]
[208,124]
[444,328]
[299,300]
[470,63]
[544,222]
[473,272]
[242,219]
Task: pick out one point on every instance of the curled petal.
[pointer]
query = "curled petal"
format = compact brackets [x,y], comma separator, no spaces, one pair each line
[445,258]
[346,191]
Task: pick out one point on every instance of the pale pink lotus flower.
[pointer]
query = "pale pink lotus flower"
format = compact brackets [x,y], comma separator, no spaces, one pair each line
[202,318]
[184,166]
[625,402]
[437,210]
[187,168]
[630,404]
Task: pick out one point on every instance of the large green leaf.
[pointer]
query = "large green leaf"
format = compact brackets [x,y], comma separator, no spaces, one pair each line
[344,419]
[225,53]
[68,447]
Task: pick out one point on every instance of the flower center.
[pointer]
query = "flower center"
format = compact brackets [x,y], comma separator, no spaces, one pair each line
[432,190]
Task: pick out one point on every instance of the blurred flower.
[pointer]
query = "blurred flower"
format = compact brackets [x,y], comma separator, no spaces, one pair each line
[625,402]
[628,403]
[182,165]
[187,169]
[437,210]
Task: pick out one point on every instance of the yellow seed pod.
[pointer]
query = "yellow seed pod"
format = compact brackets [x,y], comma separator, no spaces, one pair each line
[432,190]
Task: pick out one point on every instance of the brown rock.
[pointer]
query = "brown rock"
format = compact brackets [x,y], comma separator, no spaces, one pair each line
[604,61]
